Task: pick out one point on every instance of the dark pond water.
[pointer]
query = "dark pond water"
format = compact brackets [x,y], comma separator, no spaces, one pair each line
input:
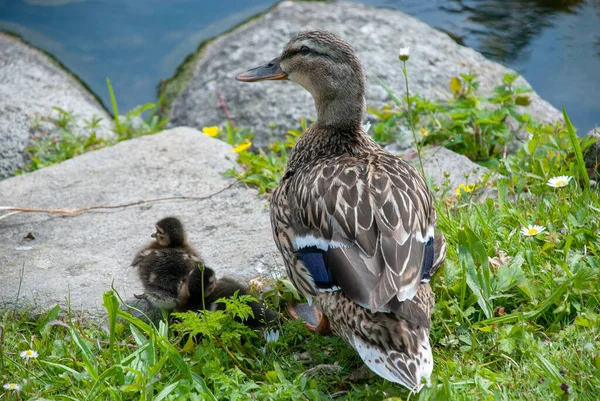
[555,44]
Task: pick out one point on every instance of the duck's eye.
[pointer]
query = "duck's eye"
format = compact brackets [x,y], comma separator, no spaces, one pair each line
[304,50]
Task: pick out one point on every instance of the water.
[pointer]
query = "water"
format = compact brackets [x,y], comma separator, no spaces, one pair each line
[554,44]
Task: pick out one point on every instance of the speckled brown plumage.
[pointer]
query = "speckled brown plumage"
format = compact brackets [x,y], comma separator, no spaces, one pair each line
[364,198]
[354,223]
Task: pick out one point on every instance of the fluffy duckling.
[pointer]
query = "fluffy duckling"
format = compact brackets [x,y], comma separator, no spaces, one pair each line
[164,264]
[354,223]
[175,277]
[203,290]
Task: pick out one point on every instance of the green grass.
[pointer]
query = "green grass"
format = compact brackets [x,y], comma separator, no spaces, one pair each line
[65,136]
[516,317]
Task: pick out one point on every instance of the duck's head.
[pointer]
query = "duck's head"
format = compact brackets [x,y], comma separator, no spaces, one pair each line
[169,232]
[326,66]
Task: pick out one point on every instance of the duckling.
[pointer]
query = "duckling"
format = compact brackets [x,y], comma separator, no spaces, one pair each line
[164,264]
[355,224]
[202,290]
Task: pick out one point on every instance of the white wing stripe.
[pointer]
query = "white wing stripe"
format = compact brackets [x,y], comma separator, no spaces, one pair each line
[323,244]
[428,235]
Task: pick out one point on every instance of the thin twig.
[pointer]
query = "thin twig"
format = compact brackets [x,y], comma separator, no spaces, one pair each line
[75,212]
[322,368]
[9,214]
[223,106]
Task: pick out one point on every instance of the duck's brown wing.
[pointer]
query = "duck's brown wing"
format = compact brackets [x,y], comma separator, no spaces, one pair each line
[374,219]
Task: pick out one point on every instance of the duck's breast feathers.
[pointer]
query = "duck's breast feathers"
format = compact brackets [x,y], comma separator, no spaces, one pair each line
[371,219]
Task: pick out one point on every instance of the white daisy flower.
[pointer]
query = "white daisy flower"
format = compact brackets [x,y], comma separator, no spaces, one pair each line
[532,230]
[560,181]
[12,386]
[271,336]
[404,53]
[366,126]
[29,354]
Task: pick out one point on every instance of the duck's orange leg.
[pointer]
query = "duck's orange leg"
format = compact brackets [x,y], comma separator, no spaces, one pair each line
[314,320]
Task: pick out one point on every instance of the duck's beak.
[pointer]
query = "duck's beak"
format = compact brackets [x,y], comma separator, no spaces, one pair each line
[153,235]
[270,71]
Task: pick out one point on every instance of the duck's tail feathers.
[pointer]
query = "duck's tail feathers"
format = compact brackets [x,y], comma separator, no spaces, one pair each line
[411,371]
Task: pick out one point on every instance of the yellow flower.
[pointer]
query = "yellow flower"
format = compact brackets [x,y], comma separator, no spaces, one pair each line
[424,131]
[463,187]
[211,131]
[242,146]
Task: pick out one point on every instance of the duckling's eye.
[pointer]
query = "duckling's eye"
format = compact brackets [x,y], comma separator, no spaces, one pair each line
[304,50]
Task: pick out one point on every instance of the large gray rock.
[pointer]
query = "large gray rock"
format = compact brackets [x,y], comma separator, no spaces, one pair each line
[376,34]
[31,85]
[79,257]
[592,155]
[446,170]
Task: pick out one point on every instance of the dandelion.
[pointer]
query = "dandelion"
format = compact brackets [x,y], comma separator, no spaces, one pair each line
[12,386]
[29,354]
[560,181]
[211,131]
[424,131]
[532,230]
[404,53]
[241,147]
[464,187]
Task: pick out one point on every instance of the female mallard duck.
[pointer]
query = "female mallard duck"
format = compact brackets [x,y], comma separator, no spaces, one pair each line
[354,223]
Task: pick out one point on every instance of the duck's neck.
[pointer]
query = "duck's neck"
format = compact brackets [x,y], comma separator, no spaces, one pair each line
[340,111]
[323,142]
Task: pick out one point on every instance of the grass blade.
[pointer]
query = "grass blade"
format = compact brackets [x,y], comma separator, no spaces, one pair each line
[89,359]
[478,281]
[576,149]
[113,101]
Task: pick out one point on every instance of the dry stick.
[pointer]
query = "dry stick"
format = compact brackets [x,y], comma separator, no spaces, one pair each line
[223,106]
[75,212]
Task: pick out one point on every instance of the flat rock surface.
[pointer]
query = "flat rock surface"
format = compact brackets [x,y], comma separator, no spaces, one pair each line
[592,155]
[79,257]
[376,34]
[446,169]
[31,84]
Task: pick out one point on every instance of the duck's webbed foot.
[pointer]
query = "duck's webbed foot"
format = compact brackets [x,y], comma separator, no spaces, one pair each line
[314,320]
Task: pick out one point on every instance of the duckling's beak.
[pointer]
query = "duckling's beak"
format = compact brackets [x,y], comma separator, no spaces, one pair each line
[153,235]
[270,71]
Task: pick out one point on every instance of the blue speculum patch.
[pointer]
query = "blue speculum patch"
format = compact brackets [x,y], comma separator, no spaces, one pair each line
[428,260]
[315,260]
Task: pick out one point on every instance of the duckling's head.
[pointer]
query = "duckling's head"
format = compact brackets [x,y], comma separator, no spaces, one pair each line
[326,66]
[169,233]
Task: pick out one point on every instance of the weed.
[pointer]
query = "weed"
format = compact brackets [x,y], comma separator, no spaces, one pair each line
[64,136]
